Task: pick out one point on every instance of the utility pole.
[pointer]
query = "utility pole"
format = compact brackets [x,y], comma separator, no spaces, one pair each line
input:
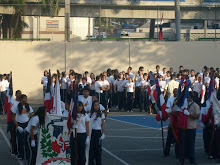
[67,27]
[67,20]
[177,20]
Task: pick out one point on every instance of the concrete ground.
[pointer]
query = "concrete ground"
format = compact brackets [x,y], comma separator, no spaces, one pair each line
[131,139]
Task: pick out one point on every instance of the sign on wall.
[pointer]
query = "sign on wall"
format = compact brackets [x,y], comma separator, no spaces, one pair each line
[52,25]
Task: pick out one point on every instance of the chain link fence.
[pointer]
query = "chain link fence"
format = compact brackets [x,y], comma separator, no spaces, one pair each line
[90,21]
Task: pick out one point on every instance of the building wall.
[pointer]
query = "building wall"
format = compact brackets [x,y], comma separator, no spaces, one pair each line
[28,60]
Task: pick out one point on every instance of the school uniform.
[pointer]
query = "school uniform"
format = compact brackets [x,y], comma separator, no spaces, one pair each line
[104,98]
[98,91]
[45,81]
[137,101]
[22,120]
[4,86]
[95,152]
[92,88]
[120,93]
[80,124]
[34,121]
[144,85]
[12,128]
[63,89]
[125,81]
[130,95]
[87,102]
[111,81]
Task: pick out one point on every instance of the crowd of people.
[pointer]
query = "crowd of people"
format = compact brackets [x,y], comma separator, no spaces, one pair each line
[126,91]
[123,91]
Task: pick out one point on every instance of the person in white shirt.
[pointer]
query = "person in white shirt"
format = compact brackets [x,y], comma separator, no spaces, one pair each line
[158,71]
[83,85]
[37,121]
[44,81]
[118,88]
[130,73]
[89,80]
[98,134]
[168,77]
[67,109]
[86,99]
[130,94]
[125,81]
[92,88]
[81,123]
[98,88]
[4,84]
[102,109]
[105,89]
[21,115]
[192,77]
[11,125]
[164,73]
[138,79]
[63,88]
[144,86]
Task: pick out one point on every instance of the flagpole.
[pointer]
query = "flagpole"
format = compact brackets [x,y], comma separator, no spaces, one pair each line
[161,122]
[76,146]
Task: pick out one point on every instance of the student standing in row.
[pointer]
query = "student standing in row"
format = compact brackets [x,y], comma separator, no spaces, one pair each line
[97,135]
[37,121]
[11,125]
[130,94]
[21,115]
[81,123]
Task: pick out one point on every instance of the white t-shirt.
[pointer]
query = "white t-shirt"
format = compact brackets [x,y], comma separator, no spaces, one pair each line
[160,72]
[64,85]
[81,122]
[192,79]
[119,84]
[92,85]
[125,81]
[162,85]
[98,85]
[4,85]
[23,117]
[130,87]
[207,79]
[197,87]
[105,83]
[89,80]
[87,102]
[97,123]
[33,122]
[144,84]
[101,107]
[44,79]
[110,79]
[131,75]
[138,80]
[167,79]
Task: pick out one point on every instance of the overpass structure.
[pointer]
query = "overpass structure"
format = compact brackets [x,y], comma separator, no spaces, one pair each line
[150,9]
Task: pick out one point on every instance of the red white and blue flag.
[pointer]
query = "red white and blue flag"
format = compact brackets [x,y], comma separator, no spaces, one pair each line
[48,98]
[162,114]
[161,29]
[183,103]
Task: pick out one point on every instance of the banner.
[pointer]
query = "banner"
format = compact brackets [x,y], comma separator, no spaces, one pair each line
[53,144]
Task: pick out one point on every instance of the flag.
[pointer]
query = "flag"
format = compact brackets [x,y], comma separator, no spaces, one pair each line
[57,100]
[48,99]
[161,28]
[183,103]
[8,100]
[161,104]
[203,94]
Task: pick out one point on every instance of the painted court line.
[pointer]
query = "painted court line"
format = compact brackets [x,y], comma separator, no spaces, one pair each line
[116,157]
[126,129]
[9,145]
[135,124]
[140,150]
[133,137]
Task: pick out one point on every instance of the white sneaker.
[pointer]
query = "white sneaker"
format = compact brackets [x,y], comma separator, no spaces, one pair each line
[128,111]
[108,110]
[131,111]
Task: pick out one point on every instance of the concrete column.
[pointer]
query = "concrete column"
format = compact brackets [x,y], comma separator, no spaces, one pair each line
[35,27]
[152,28]
[177,20]
[205,27]
[67,20]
